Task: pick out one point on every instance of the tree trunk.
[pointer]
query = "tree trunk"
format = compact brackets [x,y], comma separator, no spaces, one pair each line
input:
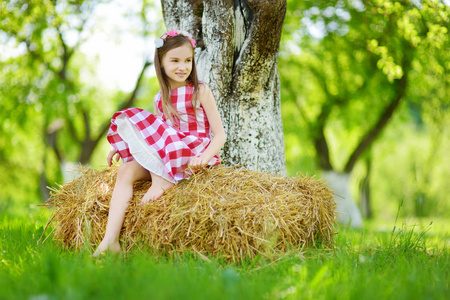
[348,212]
[236,54]
[364,190]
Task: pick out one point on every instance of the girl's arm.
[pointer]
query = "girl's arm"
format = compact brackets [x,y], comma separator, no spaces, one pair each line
[219,137]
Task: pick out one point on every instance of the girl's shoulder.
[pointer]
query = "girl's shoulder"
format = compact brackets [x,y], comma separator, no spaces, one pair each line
[205,94]
[203,88]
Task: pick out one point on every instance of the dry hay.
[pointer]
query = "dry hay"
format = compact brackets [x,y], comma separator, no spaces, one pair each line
[222,211]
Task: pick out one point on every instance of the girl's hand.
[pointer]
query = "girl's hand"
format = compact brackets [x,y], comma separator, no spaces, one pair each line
[197,163]
[111,155]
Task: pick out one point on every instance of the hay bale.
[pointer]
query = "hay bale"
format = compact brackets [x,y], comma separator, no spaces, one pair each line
[226,211]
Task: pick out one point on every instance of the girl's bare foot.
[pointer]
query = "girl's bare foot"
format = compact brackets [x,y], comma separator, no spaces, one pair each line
[106,246]
[157,189]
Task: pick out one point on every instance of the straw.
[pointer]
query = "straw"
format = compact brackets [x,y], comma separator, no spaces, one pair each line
[231,212]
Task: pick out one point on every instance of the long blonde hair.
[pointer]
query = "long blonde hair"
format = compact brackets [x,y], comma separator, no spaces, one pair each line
[170,43]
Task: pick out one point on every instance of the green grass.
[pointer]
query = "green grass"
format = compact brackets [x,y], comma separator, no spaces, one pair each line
[403,263]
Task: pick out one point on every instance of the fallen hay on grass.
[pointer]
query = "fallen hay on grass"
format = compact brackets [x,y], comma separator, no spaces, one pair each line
[229,212]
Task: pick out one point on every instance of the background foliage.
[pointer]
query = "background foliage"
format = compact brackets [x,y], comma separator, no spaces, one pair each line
[344,65]
[365,86]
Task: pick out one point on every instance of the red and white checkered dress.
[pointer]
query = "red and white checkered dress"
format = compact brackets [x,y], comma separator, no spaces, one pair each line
[158,145]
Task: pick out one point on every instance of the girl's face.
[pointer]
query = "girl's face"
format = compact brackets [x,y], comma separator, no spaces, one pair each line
[177,65]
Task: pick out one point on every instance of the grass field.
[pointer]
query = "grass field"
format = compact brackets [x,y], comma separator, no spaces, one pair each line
[405,262]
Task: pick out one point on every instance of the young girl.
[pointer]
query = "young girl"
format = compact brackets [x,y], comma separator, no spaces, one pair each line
[169,145]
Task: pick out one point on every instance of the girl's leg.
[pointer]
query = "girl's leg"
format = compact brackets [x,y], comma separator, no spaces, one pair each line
[127,175]
[158,187]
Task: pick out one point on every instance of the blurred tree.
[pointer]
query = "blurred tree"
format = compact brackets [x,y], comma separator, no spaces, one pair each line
[43,98]
[348,65]
[237,47]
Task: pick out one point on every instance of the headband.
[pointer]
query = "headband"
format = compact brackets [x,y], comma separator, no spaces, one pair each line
[159,42]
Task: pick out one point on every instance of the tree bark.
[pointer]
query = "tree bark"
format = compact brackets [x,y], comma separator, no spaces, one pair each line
[236,54]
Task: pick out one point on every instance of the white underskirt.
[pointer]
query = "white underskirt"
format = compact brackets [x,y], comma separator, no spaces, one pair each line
[145,155]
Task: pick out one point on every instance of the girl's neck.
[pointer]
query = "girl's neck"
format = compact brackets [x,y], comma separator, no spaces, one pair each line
[175,85]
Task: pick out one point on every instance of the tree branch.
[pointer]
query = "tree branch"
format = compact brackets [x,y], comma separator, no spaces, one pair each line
[260,48]
[65,57]
[243,18]
[71,127]
[320,141]
[87,125]
[133,95]
[126,104]
[375,131]
[51,133]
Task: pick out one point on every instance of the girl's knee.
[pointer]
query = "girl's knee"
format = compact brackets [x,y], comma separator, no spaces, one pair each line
[125,172]
[131,172]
